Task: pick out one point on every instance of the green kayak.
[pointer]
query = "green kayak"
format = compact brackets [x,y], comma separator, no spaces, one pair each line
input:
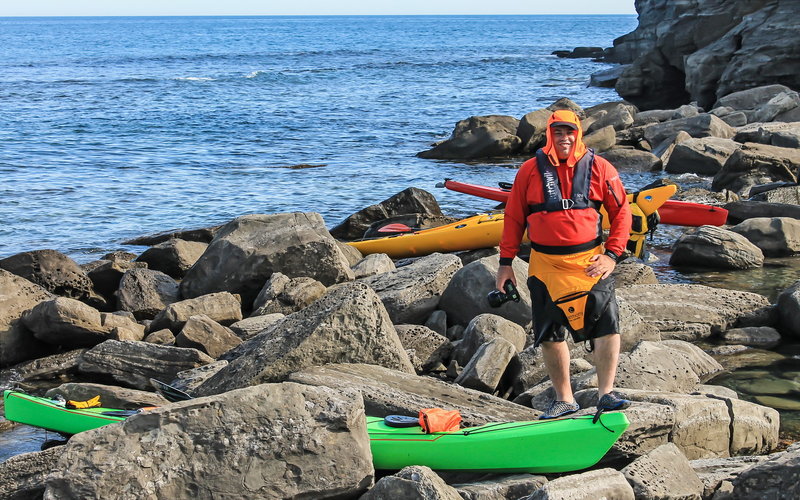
[52,415]
[561,445]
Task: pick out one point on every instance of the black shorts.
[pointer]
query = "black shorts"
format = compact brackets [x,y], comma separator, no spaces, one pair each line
[550,323]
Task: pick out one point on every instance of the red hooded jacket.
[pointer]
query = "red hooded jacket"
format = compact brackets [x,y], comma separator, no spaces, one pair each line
[564,227]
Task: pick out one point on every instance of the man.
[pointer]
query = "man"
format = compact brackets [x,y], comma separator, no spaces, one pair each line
[556,196]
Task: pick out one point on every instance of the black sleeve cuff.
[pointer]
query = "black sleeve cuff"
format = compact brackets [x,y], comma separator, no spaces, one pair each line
[613,256]
[506,261]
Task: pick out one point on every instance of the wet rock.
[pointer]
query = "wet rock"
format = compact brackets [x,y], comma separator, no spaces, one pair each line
[664,473]
[776,236]
[110,396]
[53,271]
[347,324]
[146,292]
[285,295]
[276,440]
[484,328]
[222,307]
[601,483]
[411,293]
[249,249]
[416,481]
[704,156]
[743,210]
[753,164]
[133,364]
[632,160]
[376,263]
[764,337]
[428,346]
[50,367]
[173,257]
[773,478]
[206,335]
[711,246]
[408,201]
[487,365]
[18,295]
[391,392]
[252,326]
[479,137]
[22,476]
[789,310]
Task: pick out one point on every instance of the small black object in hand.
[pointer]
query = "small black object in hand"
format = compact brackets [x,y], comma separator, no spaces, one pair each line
[497,298]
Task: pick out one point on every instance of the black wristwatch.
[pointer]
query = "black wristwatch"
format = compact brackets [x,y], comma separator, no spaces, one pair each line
[612,255]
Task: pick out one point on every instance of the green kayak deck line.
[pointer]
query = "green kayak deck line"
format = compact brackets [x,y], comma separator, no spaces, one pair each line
[560,445]
[48,414]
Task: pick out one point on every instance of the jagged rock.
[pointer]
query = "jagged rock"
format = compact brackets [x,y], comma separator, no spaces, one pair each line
[391,392]
[704,156]
[145,292]
[602,139]
[411,293]
[376,263]
[206,335]
[705,125]
[753,164]
[428,346]
[252,326]
[22,477]
[416,481]
[161,337]
[686,305]
[173,257]
[712,246]
[487,365]
[347,324]
[665,367]
[408,201]
[787,195]
[504,487]
[465,295]
[482,329]
[632,160]
[106,274]
[18,295]
[665,149]
[189,380]
[46,368]
[110,396]
[785,135]
[601,483]
[743,210]
[773,478]
[664,473]
[270,441]
[479,137]
[713,471]
[437,322]
[53,271]
[285,295]
[133,364]
[222,307]
[789,310]
[776,237]
[247,250]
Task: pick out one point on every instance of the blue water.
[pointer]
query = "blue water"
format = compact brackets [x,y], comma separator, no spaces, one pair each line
[112,128]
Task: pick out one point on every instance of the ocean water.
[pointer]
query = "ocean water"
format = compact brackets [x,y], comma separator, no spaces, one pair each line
[116,127]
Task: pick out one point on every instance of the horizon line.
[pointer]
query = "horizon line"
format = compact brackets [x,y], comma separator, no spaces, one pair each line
[305,15]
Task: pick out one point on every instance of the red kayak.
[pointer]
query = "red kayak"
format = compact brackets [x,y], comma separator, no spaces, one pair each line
[674,212]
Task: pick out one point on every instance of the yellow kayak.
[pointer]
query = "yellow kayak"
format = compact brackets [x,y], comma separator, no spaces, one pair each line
[481,231]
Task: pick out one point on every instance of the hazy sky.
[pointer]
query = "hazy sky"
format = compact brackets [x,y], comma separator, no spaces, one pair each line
[305,7]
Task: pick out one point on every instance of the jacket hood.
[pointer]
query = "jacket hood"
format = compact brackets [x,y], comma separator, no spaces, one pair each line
[565,117]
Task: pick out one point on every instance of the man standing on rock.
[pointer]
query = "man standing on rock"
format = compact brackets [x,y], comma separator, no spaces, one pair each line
[557,196]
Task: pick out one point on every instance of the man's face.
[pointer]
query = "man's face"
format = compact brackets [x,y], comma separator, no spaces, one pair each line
[564,140]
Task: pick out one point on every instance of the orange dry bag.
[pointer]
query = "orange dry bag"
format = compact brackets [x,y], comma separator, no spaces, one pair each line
[438,420]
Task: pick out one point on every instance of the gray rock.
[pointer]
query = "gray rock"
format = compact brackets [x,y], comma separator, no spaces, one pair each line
[51,270]
[751,98]
[601,139]
[206,335]
[712,246]
[465,295]
[789,310]
[133,364]
[428,346]
[391,392]
[532,129]
[173,257]
[50,367]
[743,210]
[781,103]
[779,134]
[601,483]
[484,328]
[713,471]
[616,114]
[351,253]
[269,441]
[664,367]
[776,237]
[664,473]
[653,116]
[765,337]
[704,125]
[437,322]
[349,324]
[110,396]
[285,295]
[145,292]
[479,137]
[247,250]
[189,380]
[416,481]
[408,201]
[411,293]
[18,295]
[205,235]
[252,326]
[787,195]
[22,476]
[106,274]
[222,307]
[504,487]
[376,263]
[161,337]
[776,477]
[754,164]
[632,160]
[630,272]
[486,368]
[704,156]
[754,427]
[606,77]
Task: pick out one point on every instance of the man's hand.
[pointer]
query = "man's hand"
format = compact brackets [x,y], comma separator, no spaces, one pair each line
[505,273]
[602,265]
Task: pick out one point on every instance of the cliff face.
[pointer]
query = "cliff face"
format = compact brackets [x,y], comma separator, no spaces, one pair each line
[701,50]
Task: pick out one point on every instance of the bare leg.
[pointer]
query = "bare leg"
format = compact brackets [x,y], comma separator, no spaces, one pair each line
[606,357]
[556,359]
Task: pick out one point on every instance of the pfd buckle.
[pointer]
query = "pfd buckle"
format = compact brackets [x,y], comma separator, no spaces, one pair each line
[567,204]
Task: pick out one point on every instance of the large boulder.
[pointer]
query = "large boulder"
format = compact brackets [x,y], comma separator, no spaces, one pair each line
[785,135]
[712,246]
[349,324]
[632,160]
[484,328]
[173,257]
[222,307]
[601,139]
[18,295]
[704,156]
[743,210]
[619,115]
[426,348]
[487,366]
[106,275]
[52,367]
[409,201]
[479,137]
[663,473]
[705,125]
[789,310]
[776,236]
[268,441]
[411,293]
[204,334]
[789,195]
[416,481]
[600,483]
[754,164]
[247,250]
[53,271]
[773,478]
[665,367]
[285,295]
[145,292]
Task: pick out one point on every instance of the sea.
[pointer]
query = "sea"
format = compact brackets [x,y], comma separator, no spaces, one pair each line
[117,127]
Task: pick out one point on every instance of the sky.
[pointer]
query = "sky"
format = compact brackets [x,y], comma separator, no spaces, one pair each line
[306,7]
